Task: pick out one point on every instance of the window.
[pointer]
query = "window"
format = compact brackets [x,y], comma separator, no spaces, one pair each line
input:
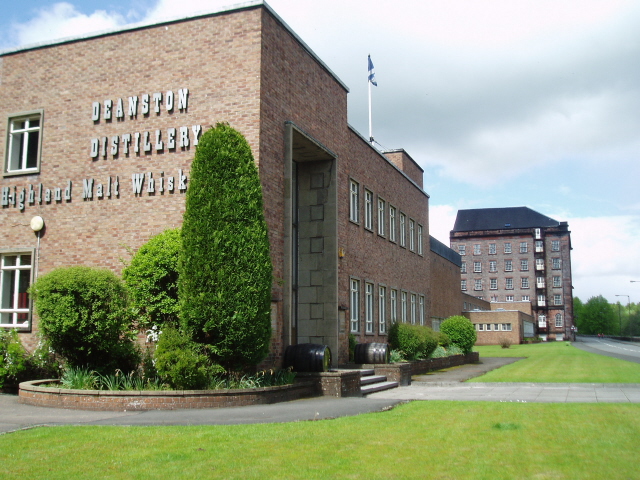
[508,283]
[542,321]
[403,237]
[15,279]
[509,298]
[480,327]
[463,285]
[462,250]
[355,305]
[403,307]
[412,229]
[557,299]
[477,284]
[506,327]
[23,148]
[463,267]
[540,282]
[524,282]
[557,282]
[413,308]
[523,247]
[382,309]
[539,246]
[526,298]
[392,223]
[421,309]
[538,233]
[524,265]
[507,247]
[542,300]
[493,283]
[354,202]
[393,305]
[368,209]
[539,263]
[477,267]
[477,249]
[381,215]
[493,266]
[508,266]
[492,249]
[558,320]
[556,263]
[555,245]
[368,307]
[419,239]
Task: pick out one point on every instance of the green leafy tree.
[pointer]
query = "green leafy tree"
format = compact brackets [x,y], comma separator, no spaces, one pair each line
[460,331]
[83,316]
[225,266]
[598,316]
[578,314]
[152,280]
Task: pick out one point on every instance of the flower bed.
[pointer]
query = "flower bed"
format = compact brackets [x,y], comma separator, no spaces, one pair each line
[33,393]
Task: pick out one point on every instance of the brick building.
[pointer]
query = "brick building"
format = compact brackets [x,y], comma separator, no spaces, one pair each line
[518,255]
[98,134]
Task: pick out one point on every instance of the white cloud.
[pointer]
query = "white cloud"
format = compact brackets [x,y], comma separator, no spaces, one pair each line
[62,20]
[441,220]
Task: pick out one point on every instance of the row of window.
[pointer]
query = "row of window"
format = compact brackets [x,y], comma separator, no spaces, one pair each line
[556,264]
[508,283]
[542,299]
[399,305]
[401,229]
[15,278]
[496,327]
[507,247]
[542,320]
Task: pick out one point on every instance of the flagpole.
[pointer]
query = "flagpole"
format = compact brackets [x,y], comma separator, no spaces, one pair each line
[371,79]
[370,123]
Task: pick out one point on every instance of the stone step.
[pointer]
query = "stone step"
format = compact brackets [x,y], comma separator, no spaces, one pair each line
[377,387]
[369,379]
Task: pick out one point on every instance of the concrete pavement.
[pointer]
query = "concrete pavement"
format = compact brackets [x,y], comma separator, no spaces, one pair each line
[445,385]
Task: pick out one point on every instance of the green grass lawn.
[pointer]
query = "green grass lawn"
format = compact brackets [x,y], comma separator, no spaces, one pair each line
[557,362]
[443,440]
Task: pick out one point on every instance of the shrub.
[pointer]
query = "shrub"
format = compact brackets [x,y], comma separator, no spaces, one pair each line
[225,265]
[13,358]
[182,363]
[504,342]
[460,331]
[152,279]
[443,339]
[414,341]
[352,346]
[83,315]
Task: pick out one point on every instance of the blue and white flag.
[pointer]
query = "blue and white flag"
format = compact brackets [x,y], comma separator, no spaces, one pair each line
[372,74]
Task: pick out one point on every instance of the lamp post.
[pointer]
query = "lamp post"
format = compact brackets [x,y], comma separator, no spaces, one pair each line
[628,308]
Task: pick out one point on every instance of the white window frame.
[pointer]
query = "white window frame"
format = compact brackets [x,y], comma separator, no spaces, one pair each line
[403,233]
[412,231]
[413,304]
[524,265]
[393,305]
[382,212]
[421,309]
[526,298]
[492,249]
[477,284]
[354,201]
[392,223]
[462,250]
[506,327]
[557,281]
[463,267]
[508,266]
[463,285]
[524,247]
[555,245]
[368,209]
[542,300]
[355,306]
[368,307]
[524,282]
[15,305]
[382,309]
[19,140]
[403,307]
[477,267]
[493,284]
[557,299]
[419,240]
[509,298]
[556,263]
[493,266]
[508,283]
[507,247]
[559,320]
[477,249]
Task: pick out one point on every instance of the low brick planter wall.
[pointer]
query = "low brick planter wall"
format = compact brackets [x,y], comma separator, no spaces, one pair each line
[335,383]
[31,393]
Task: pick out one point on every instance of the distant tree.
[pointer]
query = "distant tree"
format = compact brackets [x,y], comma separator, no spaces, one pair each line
[225,271]
[578,311]
[598,316]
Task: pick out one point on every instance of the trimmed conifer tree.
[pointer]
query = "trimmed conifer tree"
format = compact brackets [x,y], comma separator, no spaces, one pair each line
[225,267]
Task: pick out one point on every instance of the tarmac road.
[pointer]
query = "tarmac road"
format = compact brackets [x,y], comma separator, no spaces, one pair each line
[629,351]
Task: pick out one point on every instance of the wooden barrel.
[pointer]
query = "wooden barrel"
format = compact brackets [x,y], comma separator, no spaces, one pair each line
[371,353]
[308,357]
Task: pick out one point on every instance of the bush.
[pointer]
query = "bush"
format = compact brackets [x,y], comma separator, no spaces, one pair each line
[182,363]
[443,339]
[83,316]
[504,342]
[13,358]
[152,279]
[460,331]
[414,341]
[225,265]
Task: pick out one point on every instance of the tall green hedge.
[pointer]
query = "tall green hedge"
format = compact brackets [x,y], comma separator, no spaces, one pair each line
[415,341]
[225,266]
[152,280]
[460,331]
[83,314]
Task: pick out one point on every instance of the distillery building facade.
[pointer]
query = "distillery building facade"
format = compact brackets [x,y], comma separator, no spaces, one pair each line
[97,137]
[517,255]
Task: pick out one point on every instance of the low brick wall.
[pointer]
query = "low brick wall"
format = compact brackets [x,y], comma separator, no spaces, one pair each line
[335,384]
[402,372]
[31,393]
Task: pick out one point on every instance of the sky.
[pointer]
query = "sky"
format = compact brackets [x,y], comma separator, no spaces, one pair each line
[503,103]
